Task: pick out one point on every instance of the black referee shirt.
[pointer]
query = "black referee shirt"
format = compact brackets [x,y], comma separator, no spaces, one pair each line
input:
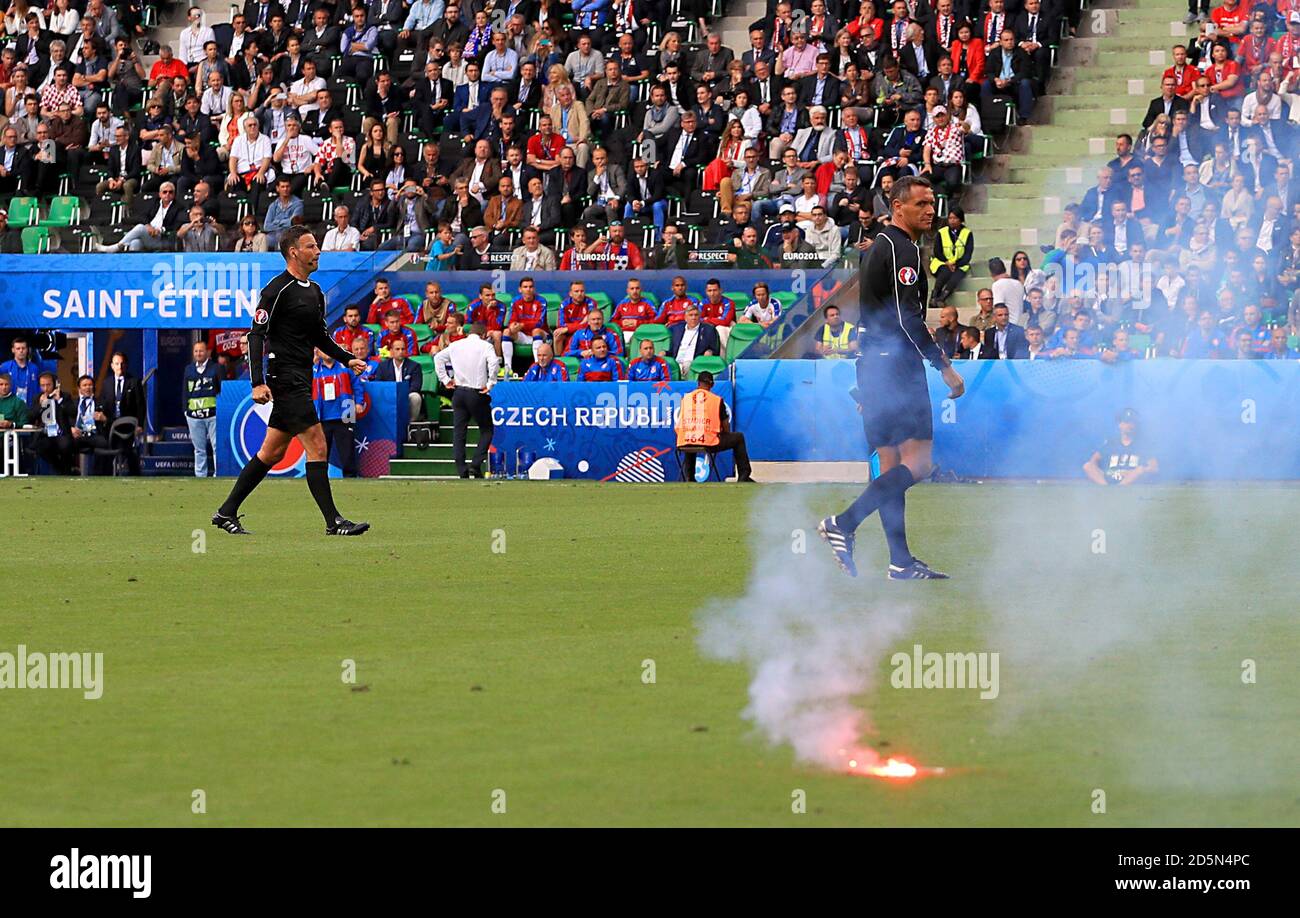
[288,324]
[893,292]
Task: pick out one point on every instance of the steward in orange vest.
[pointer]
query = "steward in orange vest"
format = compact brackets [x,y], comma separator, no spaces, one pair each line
[703,423]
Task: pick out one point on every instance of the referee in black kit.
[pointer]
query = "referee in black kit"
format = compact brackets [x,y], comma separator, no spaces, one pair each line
[468,368]
[894,398]
[288,324]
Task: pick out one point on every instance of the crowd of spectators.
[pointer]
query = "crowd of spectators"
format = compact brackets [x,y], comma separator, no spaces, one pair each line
[1188,244]
[452,128]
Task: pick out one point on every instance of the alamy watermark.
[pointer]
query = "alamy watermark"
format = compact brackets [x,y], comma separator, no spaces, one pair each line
[36,670]
[920,669]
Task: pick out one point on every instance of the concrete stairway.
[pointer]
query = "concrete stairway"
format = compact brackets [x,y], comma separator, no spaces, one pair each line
[1101,86]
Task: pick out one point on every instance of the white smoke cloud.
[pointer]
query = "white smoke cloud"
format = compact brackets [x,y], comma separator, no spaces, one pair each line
[811,637]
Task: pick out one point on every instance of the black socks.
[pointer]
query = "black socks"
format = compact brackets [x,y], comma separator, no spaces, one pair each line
[889,485]
[893,519]
[248,479]
[318,480]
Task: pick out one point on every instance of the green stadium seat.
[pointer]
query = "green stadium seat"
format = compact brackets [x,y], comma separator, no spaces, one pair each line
[416,302]
[742,301]
[1139,342]
[1293,341]
[715,365]
[24,211]
[423,333]
[553,303]
[674,371]
[572,363]
[602,300]
[36,240]
[375,330]
[429,383]
[742,335]
[785,298]
[460,299]
[65,210]
[659,334]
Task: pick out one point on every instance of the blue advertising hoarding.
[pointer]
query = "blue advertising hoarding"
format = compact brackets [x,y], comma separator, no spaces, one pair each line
[241,426]
[601,431]
[162,290]
[1203,419]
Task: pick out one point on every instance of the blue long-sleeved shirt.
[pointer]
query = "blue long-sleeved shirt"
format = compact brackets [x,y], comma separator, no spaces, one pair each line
[423,14]
[280,216]
[366,40]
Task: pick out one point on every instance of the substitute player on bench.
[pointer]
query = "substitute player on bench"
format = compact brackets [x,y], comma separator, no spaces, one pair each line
[288,324]
[891,377]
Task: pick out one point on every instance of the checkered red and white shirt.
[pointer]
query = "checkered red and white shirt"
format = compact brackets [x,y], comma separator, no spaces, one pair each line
[947,145]
[52,97]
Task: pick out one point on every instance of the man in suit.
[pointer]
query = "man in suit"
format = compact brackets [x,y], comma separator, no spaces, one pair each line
[918,55]
[124,395]
[609,96]
[124,167]
[484,122]
[384,105]
[86,420]
[692,338]
[387,16]
[1166,103]
[683,152]
[1004,340]
[481,171]
[504,211]
[157,223]
[567,183]
[815,144]
[1035,28]
[646,194]
[322,41]
[712,61]
[375,215]
[16,162]
[55,414]
[33,45]
[821,88]
[1121,230]
[525,93]
[606,186]
[397,366]
[431,99]
[1010,75]
[258,13]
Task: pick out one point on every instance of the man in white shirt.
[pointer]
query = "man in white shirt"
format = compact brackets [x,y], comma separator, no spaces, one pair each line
[250,162]
[342,237]
[468,368]
[295,154]
[194,37]
[501,64]
[1008,290]
[302,92]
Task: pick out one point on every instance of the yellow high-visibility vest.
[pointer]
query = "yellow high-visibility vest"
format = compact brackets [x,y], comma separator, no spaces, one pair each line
[953,249]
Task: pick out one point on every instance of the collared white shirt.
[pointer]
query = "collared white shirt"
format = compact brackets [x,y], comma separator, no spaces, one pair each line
[157,221]
[348,240]
[690,342]
[473,363]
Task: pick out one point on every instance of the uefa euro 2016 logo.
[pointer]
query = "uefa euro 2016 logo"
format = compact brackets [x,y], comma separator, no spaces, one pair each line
[248,430]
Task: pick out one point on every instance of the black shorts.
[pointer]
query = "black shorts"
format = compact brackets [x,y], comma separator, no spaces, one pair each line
[292,408]
[895,397]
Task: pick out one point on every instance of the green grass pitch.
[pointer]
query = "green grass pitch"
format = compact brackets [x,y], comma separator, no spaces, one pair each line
[522,671]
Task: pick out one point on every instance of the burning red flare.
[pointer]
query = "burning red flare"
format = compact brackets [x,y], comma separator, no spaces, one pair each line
[869,763]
